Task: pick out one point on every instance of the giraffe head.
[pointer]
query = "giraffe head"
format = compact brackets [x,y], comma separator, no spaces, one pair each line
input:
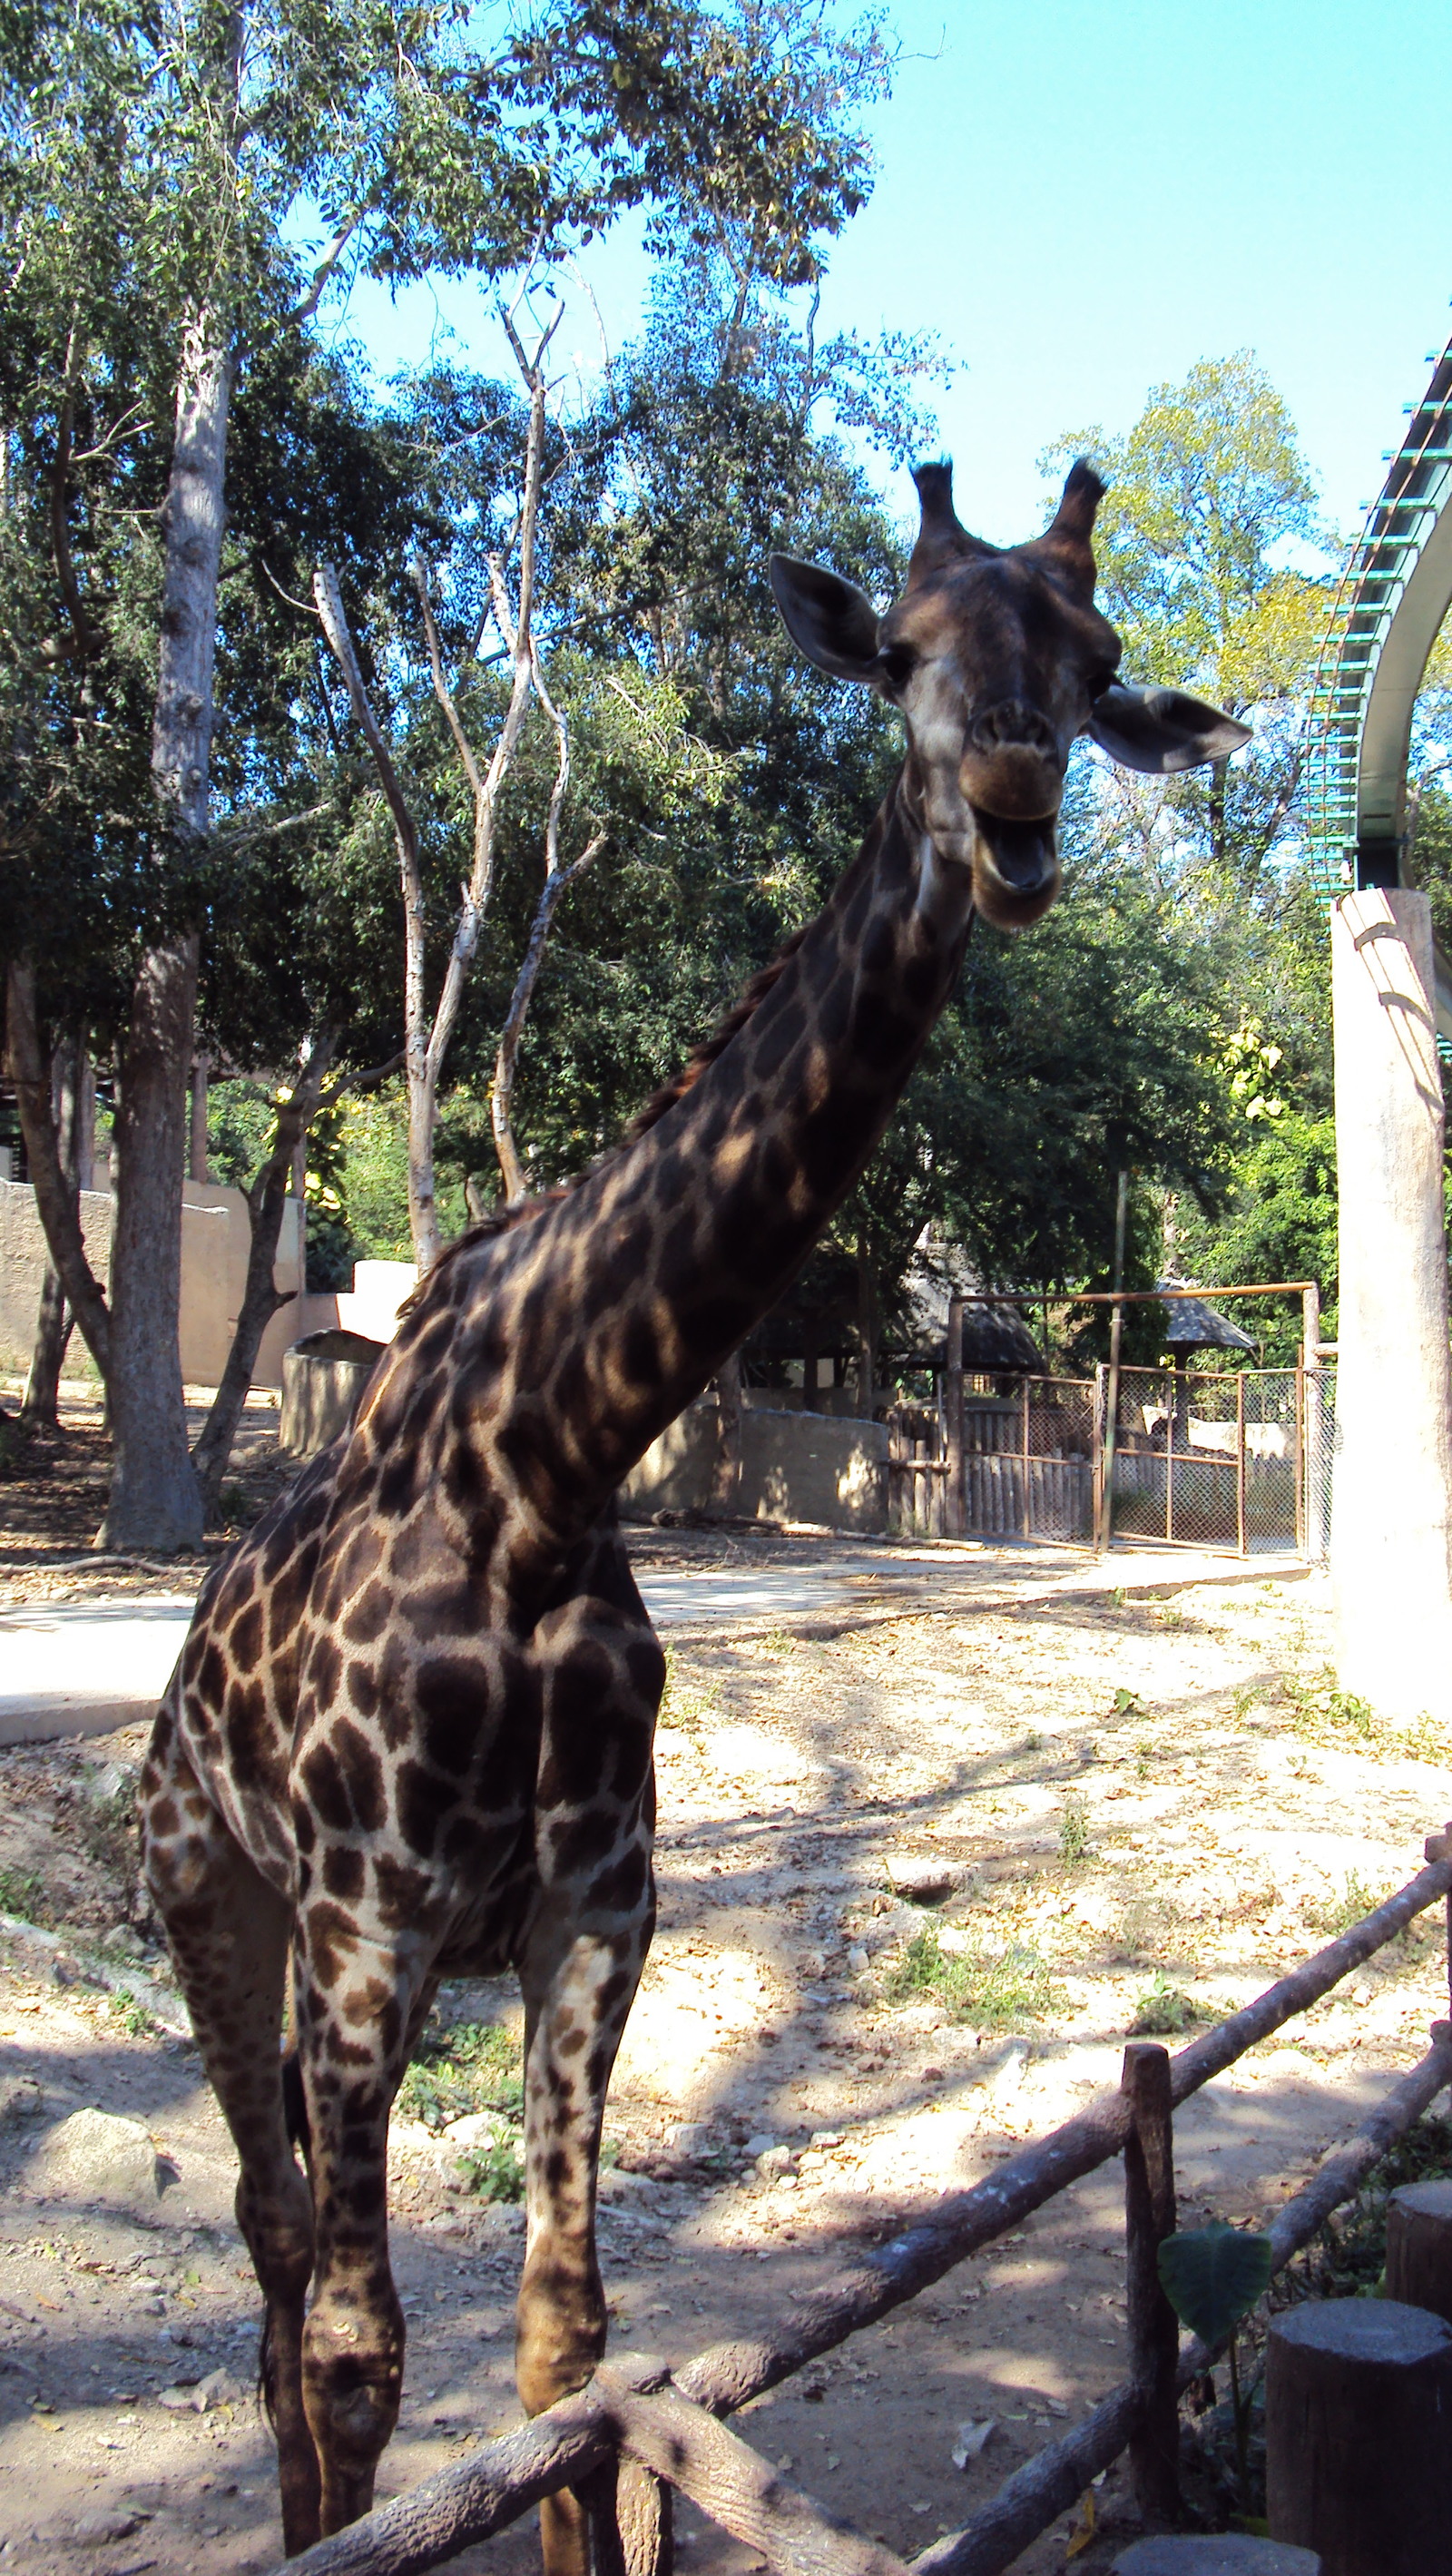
[998,659]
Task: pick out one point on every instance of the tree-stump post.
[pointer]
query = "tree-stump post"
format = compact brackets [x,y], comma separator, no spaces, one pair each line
[1226,2554]
[1358,2460]
[1419,2247]
[1154,2334]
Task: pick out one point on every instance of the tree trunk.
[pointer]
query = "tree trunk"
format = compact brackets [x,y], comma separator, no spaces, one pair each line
[261,1298]
[155,1500]
[54,1198]
[38,1406]
[726,1481]
[866,1338]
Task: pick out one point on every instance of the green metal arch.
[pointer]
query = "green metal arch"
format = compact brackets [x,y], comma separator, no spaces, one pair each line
[1393,596]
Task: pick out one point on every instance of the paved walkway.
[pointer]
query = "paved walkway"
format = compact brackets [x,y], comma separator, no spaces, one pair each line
[83,1668]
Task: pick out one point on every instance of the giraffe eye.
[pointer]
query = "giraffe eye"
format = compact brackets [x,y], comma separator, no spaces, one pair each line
[897,663]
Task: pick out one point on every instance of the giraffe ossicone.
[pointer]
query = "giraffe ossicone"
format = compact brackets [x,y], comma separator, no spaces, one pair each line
[409,1735]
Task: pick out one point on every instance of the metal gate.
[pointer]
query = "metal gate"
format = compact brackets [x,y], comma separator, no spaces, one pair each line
[1234,1459]
[1211,1458]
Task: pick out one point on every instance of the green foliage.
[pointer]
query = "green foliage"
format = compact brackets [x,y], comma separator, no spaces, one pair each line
[1341,1913]
[1074,1843]
[1347,2259]
[134,2018]
[469,2066]
[24,1894]
[496,2171]
[997,1989]
[1213,2276]
[1163,2010]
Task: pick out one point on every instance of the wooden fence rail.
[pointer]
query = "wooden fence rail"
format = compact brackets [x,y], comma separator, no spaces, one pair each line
[667,2430]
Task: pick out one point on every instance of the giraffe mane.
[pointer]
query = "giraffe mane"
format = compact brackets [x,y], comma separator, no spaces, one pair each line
[503,1220]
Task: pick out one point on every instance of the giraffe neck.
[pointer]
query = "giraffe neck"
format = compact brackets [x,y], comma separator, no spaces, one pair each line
[594,1323]
[540,1363]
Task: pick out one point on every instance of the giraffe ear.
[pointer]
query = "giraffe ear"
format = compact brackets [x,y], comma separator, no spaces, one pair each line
[829,619]
[1161,730]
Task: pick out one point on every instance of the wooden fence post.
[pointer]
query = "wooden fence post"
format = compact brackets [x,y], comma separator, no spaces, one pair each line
[1357,2395]
[1154,2335]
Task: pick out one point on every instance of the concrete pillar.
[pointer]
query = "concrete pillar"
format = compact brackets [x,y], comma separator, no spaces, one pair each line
[1391,1519]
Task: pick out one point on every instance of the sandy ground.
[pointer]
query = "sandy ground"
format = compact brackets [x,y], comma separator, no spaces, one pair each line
[1131,1790]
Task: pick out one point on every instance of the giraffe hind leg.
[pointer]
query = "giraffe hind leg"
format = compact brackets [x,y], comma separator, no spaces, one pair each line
[229,1933]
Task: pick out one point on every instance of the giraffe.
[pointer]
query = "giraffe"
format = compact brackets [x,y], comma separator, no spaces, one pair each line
[409,1735]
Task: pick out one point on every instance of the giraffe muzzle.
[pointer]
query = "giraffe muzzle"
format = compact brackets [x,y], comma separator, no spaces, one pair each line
[1015,868]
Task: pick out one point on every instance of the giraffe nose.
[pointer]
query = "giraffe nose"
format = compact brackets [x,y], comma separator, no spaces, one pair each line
[1012,725]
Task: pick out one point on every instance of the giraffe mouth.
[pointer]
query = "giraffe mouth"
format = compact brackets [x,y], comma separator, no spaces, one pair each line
[1015,867]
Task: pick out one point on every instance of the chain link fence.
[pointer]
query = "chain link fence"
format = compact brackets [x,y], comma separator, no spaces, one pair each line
[1238,1459]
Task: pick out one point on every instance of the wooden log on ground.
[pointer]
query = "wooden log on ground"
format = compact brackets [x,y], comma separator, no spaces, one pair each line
[1226,2554]
[1358,2399]
[1419,2247]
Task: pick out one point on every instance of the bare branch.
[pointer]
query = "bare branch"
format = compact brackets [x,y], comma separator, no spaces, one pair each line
[422,1076]
[304,311]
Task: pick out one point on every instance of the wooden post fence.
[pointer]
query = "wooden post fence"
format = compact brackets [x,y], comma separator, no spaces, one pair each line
[643,2425]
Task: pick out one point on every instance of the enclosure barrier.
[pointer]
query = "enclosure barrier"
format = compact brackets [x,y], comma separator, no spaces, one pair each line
[633,2434]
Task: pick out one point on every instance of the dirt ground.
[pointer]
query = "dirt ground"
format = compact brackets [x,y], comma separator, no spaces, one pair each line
[1137,1803]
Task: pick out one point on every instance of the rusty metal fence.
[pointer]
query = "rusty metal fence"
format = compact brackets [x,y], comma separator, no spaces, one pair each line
[1234,1459]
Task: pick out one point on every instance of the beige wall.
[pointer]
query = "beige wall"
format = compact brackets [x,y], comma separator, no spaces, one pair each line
[215,1240]
[794,1467]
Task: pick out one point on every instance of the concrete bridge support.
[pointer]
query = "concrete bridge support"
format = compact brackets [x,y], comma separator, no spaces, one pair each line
[1391,1522]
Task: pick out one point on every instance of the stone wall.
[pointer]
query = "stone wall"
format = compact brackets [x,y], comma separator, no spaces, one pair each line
[215,1239]
[794,1467]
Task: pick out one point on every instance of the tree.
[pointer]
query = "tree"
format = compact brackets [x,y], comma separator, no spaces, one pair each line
[219,125]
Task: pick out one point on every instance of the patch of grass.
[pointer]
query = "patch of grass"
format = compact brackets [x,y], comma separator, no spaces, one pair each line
[1126,1703]
[996,1989]
[134,2018]
[475,2066]
[683,1703]
[23,1893]
[1144,1755]
[1163,2010]
[496,2171]
[1322,1713]
[1338,1913]
[1074,1831]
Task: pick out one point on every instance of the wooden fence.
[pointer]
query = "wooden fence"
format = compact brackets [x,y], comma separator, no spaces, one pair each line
[636,2433]
[1021,1465]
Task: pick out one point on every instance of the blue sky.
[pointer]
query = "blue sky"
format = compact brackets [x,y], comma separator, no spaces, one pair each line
[1083,197]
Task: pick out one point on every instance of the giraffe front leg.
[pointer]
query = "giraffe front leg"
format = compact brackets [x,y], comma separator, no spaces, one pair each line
[359,2003]
[577,1994]
[229,1932]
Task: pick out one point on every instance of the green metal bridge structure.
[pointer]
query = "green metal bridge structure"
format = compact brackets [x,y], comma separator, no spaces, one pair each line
[1392,598]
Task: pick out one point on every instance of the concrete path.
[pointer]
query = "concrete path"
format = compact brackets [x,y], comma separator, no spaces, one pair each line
[82,1668]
